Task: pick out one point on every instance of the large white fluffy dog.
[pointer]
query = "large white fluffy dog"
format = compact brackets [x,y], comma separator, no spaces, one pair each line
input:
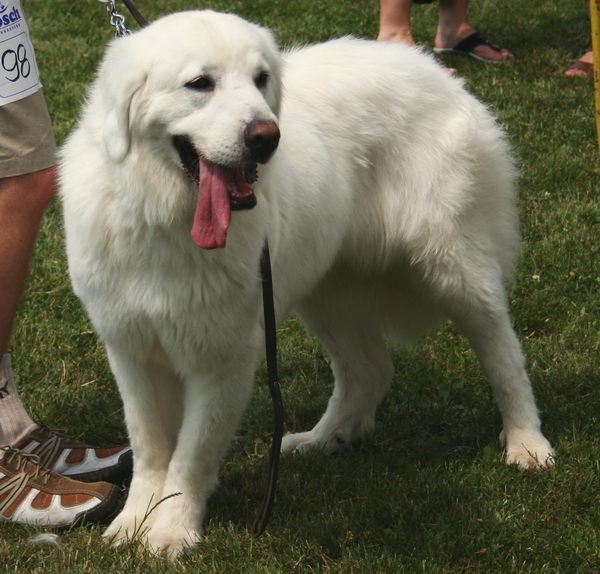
[386,193]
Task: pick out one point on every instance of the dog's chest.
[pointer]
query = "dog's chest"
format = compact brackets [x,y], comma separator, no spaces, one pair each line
[160,291]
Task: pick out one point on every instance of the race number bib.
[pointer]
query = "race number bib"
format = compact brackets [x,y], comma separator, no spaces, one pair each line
[19,76]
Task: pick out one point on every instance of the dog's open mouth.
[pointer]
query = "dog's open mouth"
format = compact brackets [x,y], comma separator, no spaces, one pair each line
[221,190]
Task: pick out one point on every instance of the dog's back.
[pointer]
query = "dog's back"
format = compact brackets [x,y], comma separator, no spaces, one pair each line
[389,162]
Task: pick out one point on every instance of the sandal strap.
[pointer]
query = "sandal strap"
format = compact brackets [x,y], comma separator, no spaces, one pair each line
[473,40]
[582,67]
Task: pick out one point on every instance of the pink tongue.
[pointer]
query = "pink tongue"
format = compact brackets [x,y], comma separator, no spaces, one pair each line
[213,211]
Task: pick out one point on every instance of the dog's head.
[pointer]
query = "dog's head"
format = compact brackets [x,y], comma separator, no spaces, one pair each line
[200,91]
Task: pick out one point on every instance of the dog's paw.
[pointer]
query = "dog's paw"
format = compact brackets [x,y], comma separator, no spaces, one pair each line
[170,542]
[297,442]
[332,433]
[126,528]
[528,450]
[305,441]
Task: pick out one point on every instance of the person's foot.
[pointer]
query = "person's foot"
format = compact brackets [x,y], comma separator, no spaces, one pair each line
[583,67]
[31,494]
[405,37]
[77,460]
[468,41]
[395,34]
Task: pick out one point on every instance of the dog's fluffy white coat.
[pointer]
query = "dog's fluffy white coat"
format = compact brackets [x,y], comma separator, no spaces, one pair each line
[388,205]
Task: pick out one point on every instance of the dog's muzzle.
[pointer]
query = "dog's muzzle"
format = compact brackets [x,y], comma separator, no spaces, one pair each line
[224,188]
[261,138]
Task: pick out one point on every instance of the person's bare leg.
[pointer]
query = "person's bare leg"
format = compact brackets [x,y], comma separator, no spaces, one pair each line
[23,200]
[394,21]
[453,27]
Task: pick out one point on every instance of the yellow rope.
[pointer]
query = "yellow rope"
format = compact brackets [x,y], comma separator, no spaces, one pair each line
[595,19]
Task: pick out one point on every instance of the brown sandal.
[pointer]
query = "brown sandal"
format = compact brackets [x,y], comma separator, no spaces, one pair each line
[580,69]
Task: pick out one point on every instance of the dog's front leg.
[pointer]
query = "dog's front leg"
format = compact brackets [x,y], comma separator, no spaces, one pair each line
[213,406]
[152,400]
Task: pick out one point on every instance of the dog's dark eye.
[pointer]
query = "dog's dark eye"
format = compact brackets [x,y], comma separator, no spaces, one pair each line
[202,84]
[261,80]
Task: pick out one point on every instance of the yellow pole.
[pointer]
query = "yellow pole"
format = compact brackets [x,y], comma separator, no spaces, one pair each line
[595,19]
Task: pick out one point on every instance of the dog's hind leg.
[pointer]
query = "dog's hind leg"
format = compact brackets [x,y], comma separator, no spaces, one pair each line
[152,403]
[362,369]
[478,305]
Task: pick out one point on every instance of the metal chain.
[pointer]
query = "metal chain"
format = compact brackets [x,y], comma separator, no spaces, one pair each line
[116,20]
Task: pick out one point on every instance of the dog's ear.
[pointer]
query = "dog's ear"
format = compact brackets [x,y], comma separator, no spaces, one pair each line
[123,77]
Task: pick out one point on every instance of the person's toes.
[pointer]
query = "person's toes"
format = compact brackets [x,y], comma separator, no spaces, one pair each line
[488,52]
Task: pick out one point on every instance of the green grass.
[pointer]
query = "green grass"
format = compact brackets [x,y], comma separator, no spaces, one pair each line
[428,491]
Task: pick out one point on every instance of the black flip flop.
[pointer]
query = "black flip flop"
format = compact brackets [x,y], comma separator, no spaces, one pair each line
[468,44]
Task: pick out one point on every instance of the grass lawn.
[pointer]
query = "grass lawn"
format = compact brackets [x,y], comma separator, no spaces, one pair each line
[428,491]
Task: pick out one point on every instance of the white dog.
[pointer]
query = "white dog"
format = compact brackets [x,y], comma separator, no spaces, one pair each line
[388,204]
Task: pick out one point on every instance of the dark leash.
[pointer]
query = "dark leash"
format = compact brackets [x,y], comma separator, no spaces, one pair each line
[136,14]
[118,21]
[274,389]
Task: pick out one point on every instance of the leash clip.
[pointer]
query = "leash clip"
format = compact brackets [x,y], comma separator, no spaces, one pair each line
[117,20]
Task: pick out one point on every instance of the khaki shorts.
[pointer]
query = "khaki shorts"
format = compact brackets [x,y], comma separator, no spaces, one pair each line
[26,139]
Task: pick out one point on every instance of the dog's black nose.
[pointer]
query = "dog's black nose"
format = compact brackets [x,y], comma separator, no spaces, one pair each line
[261,138]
